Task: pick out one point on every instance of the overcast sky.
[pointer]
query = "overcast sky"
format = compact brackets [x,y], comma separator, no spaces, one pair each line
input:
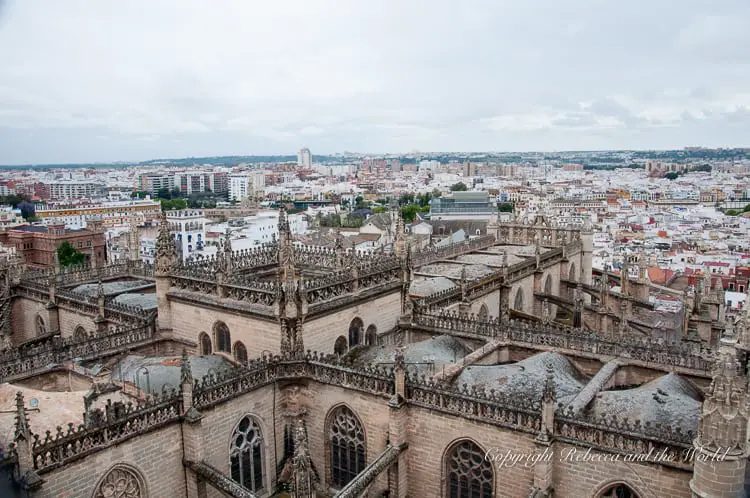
[107,80]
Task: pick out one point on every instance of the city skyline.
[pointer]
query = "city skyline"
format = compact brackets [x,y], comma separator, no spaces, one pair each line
[95,83]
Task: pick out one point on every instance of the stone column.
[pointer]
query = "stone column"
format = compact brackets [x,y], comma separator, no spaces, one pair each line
[397,422]
[538,287]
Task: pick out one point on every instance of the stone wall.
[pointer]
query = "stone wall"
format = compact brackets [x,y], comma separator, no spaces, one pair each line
[157,456]
[24,315]
[321,332]
[372,412]
[69,320]
[587,479]
[431,434]
[189,320]
[219,422]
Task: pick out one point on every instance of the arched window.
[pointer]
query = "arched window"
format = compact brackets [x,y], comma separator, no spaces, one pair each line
[41,327]
[347,446]
[483,312]
[618,490]
[355,331]
[469,473]
[240,352]
[371,336]
[340,346]
[548,285]
[205,342]
[518,303]
[79,334]
[121,482]
[222,340]
[246,454]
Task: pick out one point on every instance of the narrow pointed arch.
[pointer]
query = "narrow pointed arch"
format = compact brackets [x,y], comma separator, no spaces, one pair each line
[205,343]
[618,489]
[222,338]
[518,301]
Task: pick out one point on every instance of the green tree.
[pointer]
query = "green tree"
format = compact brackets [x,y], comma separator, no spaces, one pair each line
[459,187]
[176,193]
[731,212]
[436,193]
[505,207]
[164,193]
[672,175]
[379,209]
[173,204]
[69,255]
[409,212]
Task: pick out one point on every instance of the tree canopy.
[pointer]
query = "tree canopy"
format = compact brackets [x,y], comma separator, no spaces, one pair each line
[459,187]
[69,255]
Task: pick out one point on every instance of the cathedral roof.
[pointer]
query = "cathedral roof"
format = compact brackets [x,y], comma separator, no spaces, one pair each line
[165,370]
[526,377]
[424,286]
[667,400]
[112,288]
[438,351]
[144,301]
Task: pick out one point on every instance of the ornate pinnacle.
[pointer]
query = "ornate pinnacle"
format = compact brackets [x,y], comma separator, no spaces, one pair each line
[100,289]
[398,358]
[165,249]
[23,432]
[549,393]
[186,374]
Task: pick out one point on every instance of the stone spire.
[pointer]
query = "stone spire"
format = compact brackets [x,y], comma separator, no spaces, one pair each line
[400,239]
[339,250]
[723,428]
[5,302]
[286,247]
[23,431]
[706,287]
[224,262]
[186,374]
[303,485]
[134,249]
[625,278]
[101,298]
[165,248]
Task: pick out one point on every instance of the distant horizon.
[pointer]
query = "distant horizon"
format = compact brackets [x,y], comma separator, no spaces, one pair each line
[426,155]
[485,75]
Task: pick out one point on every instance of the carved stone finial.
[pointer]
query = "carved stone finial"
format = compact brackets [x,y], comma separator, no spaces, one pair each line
[549,393]
[303,482]
[398,358]
[23,431]
[165,248]
[186,374]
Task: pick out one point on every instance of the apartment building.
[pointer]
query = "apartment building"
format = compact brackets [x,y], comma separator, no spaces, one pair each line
[111,214]
[38,244]
[68,189]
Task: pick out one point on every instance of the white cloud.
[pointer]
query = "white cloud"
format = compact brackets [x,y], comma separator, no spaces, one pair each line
[231,76]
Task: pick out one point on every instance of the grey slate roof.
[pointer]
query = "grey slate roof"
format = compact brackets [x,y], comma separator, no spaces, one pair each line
[165,370]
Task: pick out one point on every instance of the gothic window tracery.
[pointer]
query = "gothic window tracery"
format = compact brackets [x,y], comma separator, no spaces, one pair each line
[41,327]
[222,338]
[618,490]
[483,312]
[347,446]
[205,342]
[246,454]
[120,482]
[469,473]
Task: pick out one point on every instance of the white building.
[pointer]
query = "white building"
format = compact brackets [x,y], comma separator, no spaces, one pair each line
[304,158]
[72,189]
[188,227]
[242,185]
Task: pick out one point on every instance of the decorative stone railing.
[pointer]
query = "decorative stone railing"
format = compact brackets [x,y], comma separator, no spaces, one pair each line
[52,451]
[328,370]
[428,256]
[516,412]
[26,361]
[653,442]
[546,236]
[87,273]
[87,305]
[688,355]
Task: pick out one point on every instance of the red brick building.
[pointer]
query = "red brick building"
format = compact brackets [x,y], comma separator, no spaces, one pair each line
[38,243]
